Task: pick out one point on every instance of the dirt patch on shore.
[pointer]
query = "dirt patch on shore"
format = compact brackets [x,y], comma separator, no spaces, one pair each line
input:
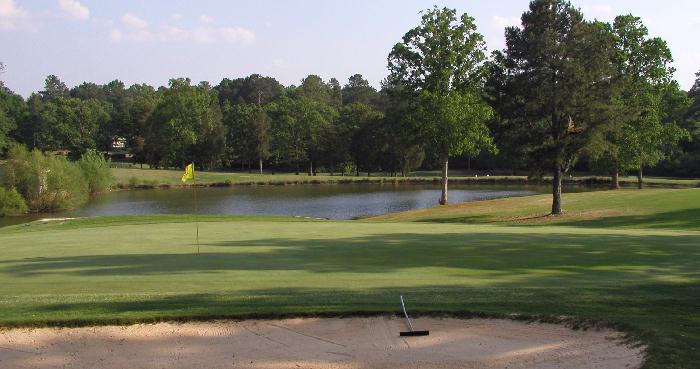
[318,343]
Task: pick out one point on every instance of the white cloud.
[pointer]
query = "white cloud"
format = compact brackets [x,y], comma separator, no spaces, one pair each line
[134,21]
[176,16]
[170,33]
[206,19]
[8,9]
[599,9]
[74,9]
[116,35]
[10,14]
[200,35]
[502,22]
[237,35]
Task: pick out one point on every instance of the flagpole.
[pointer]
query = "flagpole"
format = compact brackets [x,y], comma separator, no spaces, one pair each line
[196,220]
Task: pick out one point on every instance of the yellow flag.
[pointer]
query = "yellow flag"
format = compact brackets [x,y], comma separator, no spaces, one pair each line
[189,173]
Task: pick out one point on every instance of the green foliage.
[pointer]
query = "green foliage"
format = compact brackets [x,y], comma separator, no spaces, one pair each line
[254,89]
[297,125]
[348,168]
[13,112]
[248,132]
[643,126]
[441,65]
[6,126]
[11,202]
[358,90]
[556,76]
[314,88]
[444,53]
[47,182]
[96,170]
[185,127]
[64,123]
[344,142]
[54,88]
[458,122]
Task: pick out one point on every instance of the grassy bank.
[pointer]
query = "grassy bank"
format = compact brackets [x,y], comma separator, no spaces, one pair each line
[127,269]
[154,178]
[651,208]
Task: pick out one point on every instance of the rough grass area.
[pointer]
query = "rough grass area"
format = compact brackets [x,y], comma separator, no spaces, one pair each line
[154,178]
[652,208]
[120,270]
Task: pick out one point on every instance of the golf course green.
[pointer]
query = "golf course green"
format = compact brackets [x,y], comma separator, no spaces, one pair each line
[626,259]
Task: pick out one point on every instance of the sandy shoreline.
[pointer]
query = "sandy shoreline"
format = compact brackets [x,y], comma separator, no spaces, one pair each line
[327,343]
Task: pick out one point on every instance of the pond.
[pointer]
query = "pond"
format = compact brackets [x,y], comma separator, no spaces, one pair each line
[344,201]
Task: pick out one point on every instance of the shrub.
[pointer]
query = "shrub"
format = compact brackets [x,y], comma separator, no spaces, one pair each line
[96,170]
[133,182]
[47,182]
[349,168]
[11,202]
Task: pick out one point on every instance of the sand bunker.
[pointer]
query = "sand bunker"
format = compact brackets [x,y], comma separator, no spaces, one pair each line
[318,343]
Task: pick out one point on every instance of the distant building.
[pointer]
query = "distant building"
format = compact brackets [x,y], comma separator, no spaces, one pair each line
[118,144]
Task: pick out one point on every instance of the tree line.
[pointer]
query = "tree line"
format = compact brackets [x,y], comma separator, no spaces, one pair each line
[565,93]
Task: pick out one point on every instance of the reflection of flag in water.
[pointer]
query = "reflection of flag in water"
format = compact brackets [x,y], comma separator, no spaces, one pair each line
[189,173]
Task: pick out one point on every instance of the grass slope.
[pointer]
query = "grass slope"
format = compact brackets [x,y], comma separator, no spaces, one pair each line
[126,269]
[651,208]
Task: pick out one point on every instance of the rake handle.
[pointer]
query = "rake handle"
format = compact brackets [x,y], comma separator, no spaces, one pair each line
[406,314]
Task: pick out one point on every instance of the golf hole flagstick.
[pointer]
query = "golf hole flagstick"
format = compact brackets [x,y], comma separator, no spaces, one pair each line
[410,326]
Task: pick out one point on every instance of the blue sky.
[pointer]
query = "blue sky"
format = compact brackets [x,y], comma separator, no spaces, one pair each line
[152,41]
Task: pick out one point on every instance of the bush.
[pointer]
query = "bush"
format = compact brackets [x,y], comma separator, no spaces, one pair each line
[11,202]
[133,181]
[349,168]
[96,170]
[46,182]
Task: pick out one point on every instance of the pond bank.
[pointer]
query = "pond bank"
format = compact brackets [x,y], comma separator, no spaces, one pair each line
[165,179]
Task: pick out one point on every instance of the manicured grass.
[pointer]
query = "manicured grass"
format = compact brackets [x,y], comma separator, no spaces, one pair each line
[124,177]
[126,269]
[650,208]
[132,177]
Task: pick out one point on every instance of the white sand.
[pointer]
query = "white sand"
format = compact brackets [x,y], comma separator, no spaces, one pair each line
[318,343]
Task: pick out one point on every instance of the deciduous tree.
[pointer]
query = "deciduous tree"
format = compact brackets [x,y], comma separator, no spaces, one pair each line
[441,62]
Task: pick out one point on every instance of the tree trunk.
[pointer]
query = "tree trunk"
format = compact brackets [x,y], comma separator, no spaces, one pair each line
[443,196]
[311,168]
[640,178]
[260,161]
[556,191]
[615,185]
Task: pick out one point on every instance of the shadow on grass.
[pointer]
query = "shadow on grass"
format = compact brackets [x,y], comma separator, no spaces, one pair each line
[524,258]
[663,315]
[687,219]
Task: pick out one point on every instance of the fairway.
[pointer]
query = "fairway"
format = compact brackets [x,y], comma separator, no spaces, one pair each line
[120,270]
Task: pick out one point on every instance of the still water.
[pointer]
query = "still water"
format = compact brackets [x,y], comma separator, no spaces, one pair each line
[345,201]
